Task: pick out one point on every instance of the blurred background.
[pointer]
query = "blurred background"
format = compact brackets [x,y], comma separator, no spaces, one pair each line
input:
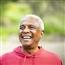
[52,13]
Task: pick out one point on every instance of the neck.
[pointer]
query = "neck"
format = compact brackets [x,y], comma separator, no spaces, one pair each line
[30,50]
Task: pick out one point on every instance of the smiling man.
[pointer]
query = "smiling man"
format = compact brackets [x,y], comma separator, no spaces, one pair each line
[30,33]
[30,53]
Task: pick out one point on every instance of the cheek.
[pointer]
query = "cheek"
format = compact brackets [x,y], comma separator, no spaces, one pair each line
[37,34]
[20,34]
[20,31]
[34,31]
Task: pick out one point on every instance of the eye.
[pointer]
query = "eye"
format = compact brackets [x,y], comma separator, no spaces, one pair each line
[32,27]
[22,27]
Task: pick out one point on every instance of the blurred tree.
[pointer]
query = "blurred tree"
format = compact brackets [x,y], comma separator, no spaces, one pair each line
[36,5]
[52,6]
[43,8]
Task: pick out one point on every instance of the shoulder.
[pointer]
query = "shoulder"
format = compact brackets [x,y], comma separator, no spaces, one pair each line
[7,56]
[50,56]
[13,54]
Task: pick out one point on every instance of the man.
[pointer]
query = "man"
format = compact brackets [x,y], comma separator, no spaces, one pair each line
[30,53]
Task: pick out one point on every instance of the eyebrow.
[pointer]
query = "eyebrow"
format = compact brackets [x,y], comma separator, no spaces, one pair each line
[27,25]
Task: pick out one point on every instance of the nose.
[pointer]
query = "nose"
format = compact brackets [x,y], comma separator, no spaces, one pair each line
[26,29]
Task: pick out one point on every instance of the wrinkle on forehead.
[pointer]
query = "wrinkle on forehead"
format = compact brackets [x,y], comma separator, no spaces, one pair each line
[31,21]
[37,20]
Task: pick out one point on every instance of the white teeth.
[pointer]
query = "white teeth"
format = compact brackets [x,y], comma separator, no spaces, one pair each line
[26,37]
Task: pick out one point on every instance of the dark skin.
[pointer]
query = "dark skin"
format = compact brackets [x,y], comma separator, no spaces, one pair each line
[30,35]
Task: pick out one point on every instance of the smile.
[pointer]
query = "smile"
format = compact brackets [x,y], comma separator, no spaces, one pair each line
[26,37]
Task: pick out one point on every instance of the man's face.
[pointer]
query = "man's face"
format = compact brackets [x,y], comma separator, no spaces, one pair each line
[30,32]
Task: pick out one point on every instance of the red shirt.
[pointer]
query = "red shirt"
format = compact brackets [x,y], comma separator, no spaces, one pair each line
[41,57]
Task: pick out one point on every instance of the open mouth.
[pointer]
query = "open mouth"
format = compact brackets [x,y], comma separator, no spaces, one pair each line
[26,36]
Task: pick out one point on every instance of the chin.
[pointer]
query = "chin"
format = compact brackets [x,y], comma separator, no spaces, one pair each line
[27,43]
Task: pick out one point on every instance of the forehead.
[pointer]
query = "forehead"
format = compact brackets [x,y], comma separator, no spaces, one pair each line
[30,21]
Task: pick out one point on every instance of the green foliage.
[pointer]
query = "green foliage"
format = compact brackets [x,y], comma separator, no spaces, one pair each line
[10,18]
[6,32]
[14,12]
[51,11]
[54,25]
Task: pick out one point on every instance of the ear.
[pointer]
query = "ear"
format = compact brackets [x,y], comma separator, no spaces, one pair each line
[42,32]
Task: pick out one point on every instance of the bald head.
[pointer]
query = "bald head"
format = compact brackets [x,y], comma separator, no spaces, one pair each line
[33,17]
